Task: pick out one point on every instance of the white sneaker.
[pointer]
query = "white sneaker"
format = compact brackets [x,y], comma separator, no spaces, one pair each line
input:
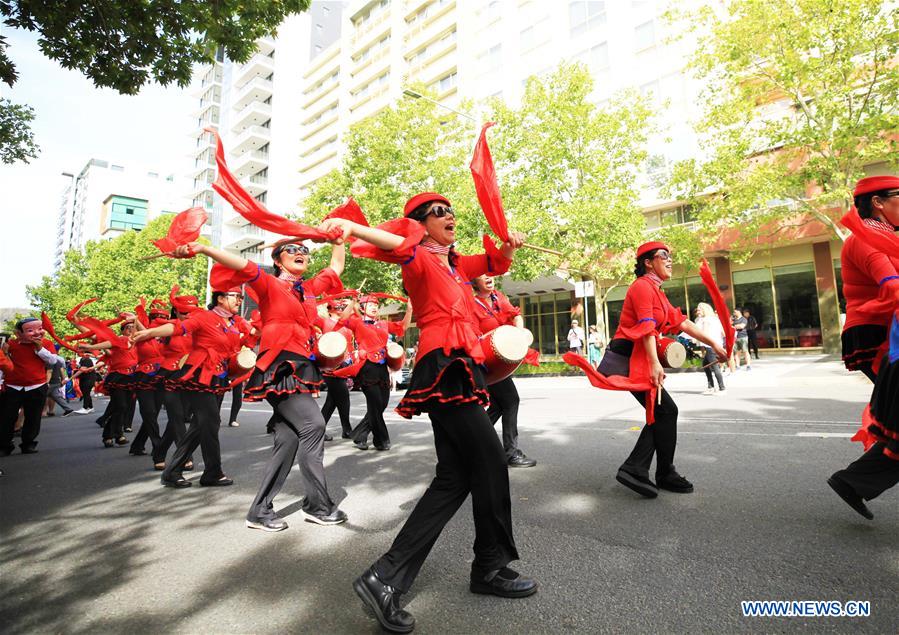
[82,411]
[234,424]
[722,391]
[708,391]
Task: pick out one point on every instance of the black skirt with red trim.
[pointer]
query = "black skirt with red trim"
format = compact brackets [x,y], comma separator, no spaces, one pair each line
[188,378]
[117,381]
[440,380]
[861,343]
[148,381]
[287,374]
[885,408]
[372,374]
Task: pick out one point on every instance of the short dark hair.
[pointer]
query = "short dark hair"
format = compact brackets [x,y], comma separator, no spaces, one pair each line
[214,300]
[421,212]
[24,321]
[863,202]
[640,267]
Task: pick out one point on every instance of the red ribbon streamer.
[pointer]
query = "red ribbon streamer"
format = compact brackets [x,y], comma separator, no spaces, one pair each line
[615,382]
[48,327]
[720,306]
[70,316]
[254,211]
[485,185]
[185,228]
[881,241]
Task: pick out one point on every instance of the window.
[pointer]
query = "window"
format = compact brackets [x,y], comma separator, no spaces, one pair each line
[584,15]
[447,83]
[644,35]
[527,39]
[797,306]
[117,168]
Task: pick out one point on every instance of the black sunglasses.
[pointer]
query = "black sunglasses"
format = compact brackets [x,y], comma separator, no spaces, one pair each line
[293,250]
[440,211]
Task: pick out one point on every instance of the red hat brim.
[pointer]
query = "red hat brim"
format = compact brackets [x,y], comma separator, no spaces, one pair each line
[420,199]
[647,247]
[876,184]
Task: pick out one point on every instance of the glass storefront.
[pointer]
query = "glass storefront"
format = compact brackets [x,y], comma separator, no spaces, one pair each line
[548,317]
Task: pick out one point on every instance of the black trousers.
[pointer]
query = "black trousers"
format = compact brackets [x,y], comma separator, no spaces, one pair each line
[872,474]
[376,397]
[32,403]
[660,439]
[339,398]
[753,343]
[120,402]
[149,403]
[504,403]
[471,460]
[203,432]
[236,401]
[178,412]
[86,384]
[299,428]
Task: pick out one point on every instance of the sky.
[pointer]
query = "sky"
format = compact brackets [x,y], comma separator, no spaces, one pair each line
[74,122]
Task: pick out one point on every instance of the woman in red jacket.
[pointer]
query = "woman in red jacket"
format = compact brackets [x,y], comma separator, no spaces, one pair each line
[216,335]
[645,316]
[285,376]
[871,288]
[493,310]
[371,372]
[448,383]
[338,394]
[149,383]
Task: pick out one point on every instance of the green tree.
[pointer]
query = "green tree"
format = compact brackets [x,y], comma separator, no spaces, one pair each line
[800,95]
[410,147]
[16,137]
[113,271]
[123,44]
[567,171]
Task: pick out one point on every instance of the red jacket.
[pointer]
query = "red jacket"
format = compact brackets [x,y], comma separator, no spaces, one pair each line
[28,369]
[371,337]
[494,311]
[288,310]
[174,348]
[864,271]
[215,340]
[647,310]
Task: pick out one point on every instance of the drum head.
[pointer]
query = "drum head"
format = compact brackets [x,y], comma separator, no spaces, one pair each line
[394,350]
[529,337]
[246,358]
[675,354]
[511,343]
[332,344]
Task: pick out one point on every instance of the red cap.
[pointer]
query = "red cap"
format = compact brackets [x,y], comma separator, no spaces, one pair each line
[158,307]
[223,280]
[421,199]
[876,184]
[646,247]
[365,299]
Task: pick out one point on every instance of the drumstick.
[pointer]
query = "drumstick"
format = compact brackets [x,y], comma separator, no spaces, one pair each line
[659,393]
[543,249]
[159,255]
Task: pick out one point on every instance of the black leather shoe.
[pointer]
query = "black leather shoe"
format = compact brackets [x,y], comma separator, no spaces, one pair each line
[267,524]
[137,452]
[844,490]
[29,449]
[384,602]
[520,460]
[383,448]
[346,435]
[674,482]
[222,481]
[360,445]
[178,483]
[505,583]
[334,518]
[640,484]
[328,437]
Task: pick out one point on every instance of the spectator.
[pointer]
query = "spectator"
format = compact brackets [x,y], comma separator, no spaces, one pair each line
[741,342]
[575,338]
[26,386]
[86,376]
[752,326]
[595,344]
[709,323]
[58,377]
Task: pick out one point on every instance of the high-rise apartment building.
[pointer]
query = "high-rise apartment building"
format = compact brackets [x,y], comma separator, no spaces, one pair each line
[106,199]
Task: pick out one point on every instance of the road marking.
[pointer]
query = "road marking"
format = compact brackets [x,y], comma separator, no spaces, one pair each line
[826,435]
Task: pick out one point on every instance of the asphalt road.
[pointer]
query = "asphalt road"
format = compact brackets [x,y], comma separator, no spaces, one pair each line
[92,543]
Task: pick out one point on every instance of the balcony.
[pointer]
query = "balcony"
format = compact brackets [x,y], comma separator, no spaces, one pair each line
[249,163]
[431,28]
[371,28]
[319,93]
[248,236]
[254,114]
[257,89]
[265,45]
[251,138]
[257,66]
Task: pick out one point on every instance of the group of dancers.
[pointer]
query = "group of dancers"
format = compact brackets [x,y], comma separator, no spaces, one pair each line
[187,358]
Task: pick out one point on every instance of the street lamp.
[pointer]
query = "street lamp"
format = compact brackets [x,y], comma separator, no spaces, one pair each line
[408,92]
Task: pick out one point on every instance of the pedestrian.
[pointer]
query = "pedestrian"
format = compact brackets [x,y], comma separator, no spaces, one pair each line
[752,327]
[575,338]
[86,376]
[448,383]
[25,385]
[595,344]
[55,394]
[646,315]
[216,337]
[371,372]
[285,374]
[871,288]
[708,323]
[493,309]
[741,341]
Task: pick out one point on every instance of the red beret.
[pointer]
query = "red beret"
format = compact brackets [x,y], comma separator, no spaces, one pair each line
[645,247]
[223,280]
[876,184]
[365,299]
[421,199]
